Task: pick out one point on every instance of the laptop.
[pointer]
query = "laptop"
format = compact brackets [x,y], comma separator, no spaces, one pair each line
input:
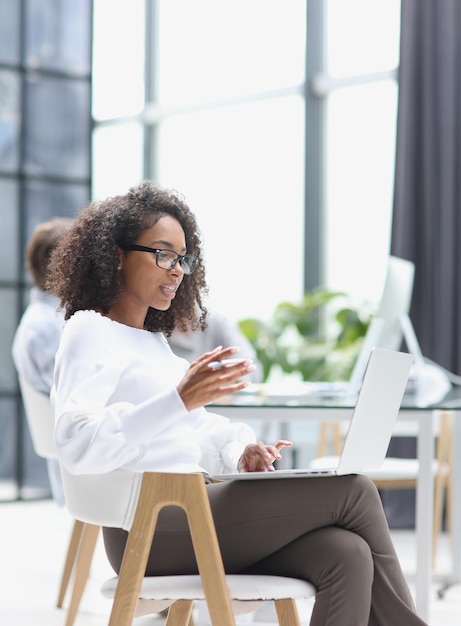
[370,429]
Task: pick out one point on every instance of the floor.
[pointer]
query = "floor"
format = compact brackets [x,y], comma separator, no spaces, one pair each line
[33,542]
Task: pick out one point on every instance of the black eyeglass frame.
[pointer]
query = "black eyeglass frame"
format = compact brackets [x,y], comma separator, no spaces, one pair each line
[189,259]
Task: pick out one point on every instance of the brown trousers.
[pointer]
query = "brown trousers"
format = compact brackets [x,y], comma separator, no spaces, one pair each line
[331,532]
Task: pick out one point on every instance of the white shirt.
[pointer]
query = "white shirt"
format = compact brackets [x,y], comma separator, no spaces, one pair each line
[34,348]
[37,339]
[117,405]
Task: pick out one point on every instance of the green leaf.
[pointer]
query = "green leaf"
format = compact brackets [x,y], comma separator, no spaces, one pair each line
[315,337]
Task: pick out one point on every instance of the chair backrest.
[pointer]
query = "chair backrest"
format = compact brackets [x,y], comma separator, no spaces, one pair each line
[103,499]
[40,419]
[108,499]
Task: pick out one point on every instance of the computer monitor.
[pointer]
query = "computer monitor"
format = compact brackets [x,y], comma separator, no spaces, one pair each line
[392,325]
[395,302]
[385,330]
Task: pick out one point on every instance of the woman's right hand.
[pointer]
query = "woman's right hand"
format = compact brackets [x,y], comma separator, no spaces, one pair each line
[203,384]
[259,456]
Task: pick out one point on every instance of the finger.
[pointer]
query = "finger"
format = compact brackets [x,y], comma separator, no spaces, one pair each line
[226,390]
[218,352]
[221,352]
[274,450]
[282,443]
[226,363]
[208,356]
[259,456]
[274,453]
[264,450]
[270,454]
[223,357]
[229,370]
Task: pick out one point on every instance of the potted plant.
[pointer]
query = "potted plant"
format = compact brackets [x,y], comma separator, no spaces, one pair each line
[318,338]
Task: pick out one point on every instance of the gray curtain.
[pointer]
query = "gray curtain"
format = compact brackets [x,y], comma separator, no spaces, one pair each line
[427,196]
[427,199]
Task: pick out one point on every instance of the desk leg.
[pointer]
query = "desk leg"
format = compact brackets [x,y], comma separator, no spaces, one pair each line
[456,504]
[424,513]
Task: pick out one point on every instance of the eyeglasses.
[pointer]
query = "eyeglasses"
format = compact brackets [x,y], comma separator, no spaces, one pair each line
[167,259]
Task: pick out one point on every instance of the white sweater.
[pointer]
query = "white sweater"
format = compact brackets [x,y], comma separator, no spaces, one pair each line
[116,405]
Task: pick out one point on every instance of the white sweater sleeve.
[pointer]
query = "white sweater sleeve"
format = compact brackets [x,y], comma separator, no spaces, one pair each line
[222,442]
[117,405]
[95,431]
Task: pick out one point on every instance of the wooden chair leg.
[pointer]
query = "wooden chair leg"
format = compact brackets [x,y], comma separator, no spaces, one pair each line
[188,492]
[287,612]
[180,613]
[449,515]
[442,483]
[439,492]
[70,561]
[330,436]
[86,549]
[449,493]
[195,502]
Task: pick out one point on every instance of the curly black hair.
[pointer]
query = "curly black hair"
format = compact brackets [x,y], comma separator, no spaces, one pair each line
[83,270]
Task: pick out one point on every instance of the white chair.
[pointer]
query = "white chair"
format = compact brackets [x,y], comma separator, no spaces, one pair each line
[132,501]
[402,473]
[84,536]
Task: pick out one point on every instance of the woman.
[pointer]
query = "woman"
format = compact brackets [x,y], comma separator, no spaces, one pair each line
[128,272]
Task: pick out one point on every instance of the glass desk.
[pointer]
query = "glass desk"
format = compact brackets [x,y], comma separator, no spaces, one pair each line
[286,409]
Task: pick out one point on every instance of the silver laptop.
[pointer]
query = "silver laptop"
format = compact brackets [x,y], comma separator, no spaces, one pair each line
[372,421]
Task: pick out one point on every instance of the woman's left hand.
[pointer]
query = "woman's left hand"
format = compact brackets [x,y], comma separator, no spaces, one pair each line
[259,457]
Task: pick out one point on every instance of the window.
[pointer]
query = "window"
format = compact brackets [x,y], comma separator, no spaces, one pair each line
[215,98]
[360,94]
[45,125]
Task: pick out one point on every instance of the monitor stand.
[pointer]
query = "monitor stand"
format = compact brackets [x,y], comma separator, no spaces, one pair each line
[430,380]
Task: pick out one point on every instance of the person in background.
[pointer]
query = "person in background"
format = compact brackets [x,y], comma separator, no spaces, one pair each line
[128,272]
[220,331]
[39,332]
